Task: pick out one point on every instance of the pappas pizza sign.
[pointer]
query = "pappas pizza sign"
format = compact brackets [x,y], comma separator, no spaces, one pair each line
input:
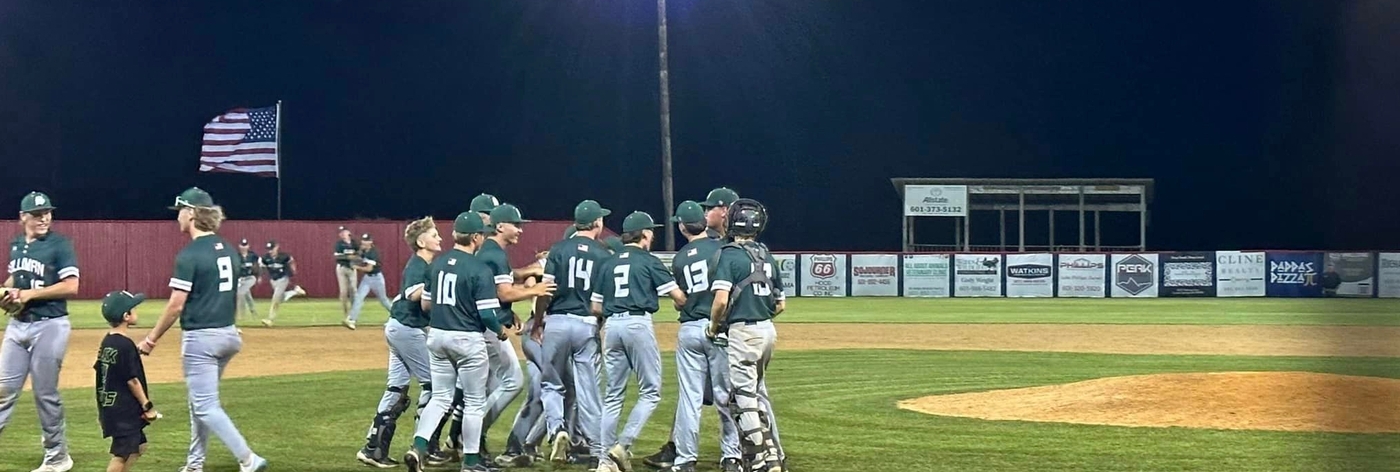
[823,267]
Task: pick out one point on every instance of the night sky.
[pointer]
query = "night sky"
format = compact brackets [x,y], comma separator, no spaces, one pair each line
[1267,124]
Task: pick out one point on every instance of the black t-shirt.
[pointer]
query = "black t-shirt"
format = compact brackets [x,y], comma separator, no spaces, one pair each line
[117,409]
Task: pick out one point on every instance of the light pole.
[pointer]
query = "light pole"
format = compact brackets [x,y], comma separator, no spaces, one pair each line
[665,127]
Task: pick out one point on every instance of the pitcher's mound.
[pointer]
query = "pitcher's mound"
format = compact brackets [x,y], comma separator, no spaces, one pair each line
[1276,401]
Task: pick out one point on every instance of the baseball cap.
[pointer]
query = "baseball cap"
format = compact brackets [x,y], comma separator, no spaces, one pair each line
[243,242]
[366,237]
[638,221]
[506,213]
[689,212]
[588,210]
[469,222]
[342,229]
[569,232]
[614,243]
[35,201]
[194,197]
[271,243]
[722,196]
[484,203]
[116,304]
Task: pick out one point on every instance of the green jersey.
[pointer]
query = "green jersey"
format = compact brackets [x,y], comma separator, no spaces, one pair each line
[248,264]
[41,263]
[631,281]
[278,266]
[371,259]
[756,301]
[204,269]
[494,257]
[343,251]
[415,277]
[571,265]
[463,295]
[691,268]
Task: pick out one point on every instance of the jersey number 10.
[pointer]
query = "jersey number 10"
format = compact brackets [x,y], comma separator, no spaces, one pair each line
[446,288]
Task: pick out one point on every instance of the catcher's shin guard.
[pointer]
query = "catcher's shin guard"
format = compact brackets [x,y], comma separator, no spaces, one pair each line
[755,438]
[385,422]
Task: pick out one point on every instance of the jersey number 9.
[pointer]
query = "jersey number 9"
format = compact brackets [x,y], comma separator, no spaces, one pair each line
[225,273]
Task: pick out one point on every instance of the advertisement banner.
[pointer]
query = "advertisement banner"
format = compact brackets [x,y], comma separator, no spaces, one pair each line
[1294,274]
[1388,275]
[1187,274]
[1030,275]
[787,270]
[926,275]
[935,200]
[1134,275]
[666,257]
[1082,275]
[977,275]
[1355,272]
[874,275]
[823,275]
[1239,274]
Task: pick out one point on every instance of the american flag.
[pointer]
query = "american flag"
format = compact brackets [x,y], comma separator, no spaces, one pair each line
[241,141]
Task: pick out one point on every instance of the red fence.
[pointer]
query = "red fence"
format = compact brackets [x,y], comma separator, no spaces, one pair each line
[140,255]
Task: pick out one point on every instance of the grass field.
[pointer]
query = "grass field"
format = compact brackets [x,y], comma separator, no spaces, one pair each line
[836,408]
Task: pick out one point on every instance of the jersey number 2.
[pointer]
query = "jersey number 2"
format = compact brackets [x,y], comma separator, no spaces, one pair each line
[225,273]
[620,274]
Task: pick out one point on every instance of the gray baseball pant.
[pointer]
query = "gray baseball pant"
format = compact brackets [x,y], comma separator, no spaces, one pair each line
[629,346]
[36,348]
[571,344]
[245,295]
[375,283]
[206,353]
[701,365]
[345,282]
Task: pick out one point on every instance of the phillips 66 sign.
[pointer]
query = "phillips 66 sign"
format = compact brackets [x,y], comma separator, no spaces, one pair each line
[935,200]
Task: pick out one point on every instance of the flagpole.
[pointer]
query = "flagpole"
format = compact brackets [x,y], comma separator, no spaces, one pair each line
[278,138]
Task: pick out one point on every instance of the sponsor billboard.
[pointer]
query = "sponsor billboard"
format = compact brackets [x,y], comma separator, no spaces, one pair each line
[1240,274]
[874,275]
[787,270]
[977,275]
[926,275]
[823,275]
[935,200]
[1030,275]
[1082,275]
[1134,275]
[1187,274]
[1388,275]
[666,258]
[1294,274]
[1355,273]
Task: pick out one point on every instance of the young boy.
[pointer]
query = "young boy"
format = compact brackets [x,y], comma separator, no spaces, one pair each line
[123,407]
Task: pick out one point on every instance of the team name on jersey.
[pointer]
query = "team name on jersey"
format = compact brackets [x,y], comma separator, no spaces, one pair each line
[25,264]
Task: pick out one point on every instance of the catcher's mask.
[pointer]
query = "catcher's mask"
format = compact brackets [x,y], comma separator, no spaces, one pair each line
[747,218]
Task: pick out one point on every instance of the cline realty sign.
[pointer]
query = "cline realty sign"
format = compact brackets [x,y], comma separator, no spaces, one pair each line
[935,200]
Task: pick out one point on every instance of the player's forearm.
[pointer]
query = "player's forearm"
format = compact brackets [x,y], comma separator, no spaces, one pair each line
[719,310]
[173,308]
[526,272]
[488,318]
[9,282]
[68,288]
[677,296]
[137,391]
[595,308]
[512,293]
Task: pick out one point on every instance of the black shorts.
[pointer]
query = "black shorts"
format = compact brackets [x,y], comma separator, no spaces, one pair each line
[127,444]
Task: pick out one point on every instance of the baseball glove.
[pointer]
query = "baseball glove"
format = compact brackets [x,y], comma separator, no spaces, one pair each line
[10,304]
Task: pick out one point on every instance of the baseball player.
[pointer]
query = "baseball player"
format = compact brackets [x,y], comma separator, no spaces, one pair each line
[346,254]
[748,294]
[247,278]
[462,302]
[407,335]
[203,299]
[43,275]
[627,286]
[280,267]
[570,334]
[700,365]
[373,281]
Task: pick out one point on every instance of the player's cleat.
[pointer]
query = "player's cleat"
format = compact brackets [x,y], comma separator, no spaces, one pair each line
[479,467]
[257,464]
[621,457]
[731,465]
[300,292]
[606,467]
[412,461]
[773,466]
[267,322]
[663,459]
[559,451]
[783,461]
[437,458]
[348,324]
[689,467]
[367,458]
[192,468]
[64,465]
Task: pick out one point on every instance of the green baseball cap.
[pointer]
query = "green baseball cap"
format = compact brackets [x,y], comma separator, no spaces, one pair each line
[484,203]
[569,232]
[614,243]
[194,197]
[35,201]
[506,213]
[588,210]
[116,304]
[722,196]
[469,222]
[638,221]
[689,212]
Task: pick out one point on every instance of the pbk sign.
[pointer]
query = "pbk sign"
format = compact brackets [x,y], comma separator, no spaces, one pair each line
[935,200]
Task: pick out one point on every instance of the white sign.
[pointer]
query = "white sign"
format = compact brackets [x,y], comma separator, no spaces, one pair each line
[666,258]
[823,275]
[926,275]
[1134,275]
[1356,271]
[1082,275]
[977,275]
[1030,275]
[1389,275]
[874,275]
[1239,274]
[935,200]
[787,270]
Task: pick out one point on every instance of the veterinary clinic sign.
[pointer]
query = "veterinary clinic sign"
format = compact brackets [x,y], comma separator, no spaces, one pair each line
[935,200]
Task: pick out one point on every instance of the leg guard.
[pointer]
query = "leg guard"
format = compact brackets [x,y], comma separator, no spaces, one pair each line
[385,422]
[755,440]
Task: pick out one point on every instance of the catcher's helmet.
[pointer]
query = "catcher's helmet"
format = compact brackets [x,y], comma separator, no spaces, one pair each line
[747,218]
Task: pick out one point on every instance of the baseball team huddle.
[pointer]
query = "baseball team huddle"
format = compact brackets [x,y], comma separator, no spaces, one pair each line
[588,303]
